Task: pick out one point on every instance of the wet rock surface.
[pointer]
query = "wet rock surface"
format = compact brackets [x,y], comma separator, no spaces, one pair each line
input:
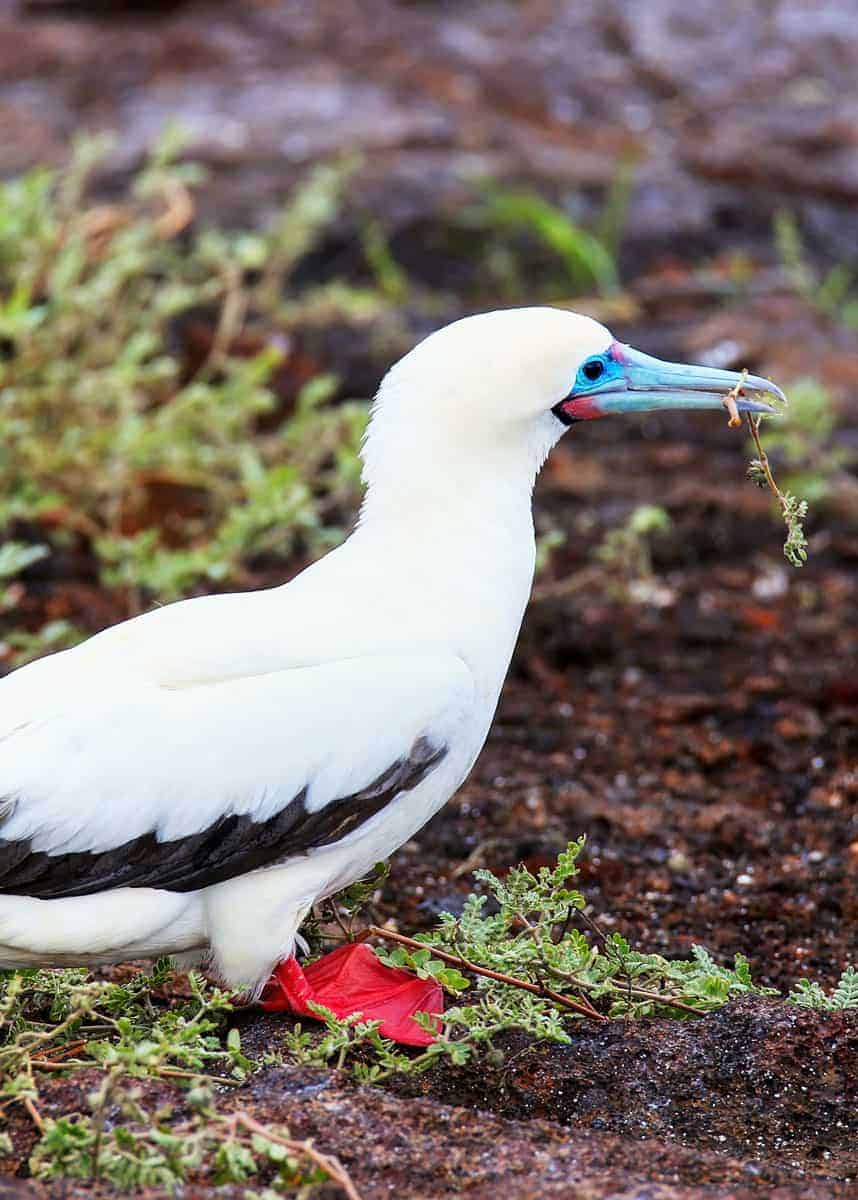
[442,1150]
[428,1148]
[757,1079]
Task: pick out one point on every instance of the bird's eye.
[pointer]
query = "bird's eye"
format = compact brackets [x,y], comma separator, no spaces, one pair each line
[593,369]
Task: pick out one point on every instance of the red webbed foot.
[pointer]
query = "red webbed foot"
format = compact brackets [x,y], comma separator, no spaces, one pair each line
[352,980]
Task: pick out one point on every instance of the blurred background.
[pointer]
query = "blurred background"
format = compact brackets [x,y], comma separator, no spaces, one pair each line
[219,224]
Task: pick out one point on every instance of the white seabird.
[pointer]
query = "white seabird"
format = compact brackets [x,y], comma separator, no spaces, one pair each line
[191,781]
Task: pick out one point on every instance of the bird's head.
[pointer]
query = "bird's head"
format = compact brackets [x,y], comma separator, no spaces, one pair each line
[515,380]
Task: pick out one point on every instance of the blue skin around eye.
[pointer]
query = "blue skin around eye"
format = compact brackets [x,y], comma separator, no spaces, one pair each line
[611,370]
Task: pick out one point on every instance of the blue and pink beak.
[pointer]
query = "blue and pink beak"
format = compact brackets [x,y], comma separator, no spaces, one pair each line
[623,380]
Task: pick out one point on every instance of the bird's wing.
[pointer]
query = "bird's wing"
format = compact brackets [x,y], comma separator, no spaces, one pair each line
[119,783]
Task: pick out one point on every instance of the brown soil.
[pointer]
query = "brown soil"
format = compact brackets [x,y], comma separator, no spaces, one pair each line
[705,738]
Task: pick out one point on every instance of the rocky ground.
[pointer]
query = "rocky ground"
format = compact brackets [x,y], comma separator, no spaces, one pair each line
[704,737]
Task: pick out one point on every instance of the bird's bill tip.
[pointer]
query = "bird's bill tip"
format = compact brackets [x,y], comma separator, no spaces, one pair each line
[640,383]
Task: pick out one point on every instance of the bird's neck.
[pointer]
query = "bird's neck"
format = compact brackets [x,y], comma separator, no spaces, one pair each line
[457,537]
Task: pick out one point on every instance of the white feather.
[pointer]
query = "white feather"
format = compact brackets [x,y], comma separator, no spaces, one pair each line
[234,704]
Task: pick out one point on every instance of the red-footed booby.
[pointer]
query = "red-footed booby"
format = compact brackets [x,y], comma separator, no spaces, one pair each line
[191,781]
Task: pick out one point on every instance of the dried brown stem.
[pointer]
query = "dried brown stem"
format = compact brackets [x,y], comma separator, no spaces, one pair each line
[753,425]
[332,1166]
[732,396]
[179,212]
[558,974]
[230,321]
[56,1060]
[35,1115]
[456,960]
[631,990]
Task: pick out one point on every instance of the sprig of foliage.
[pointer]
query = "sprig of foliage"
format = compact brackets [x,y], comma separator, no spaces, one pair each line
[424,966]
[587,259]
[152,1150]
[793,510]
[530,937]
[805,441]
[168,457]
[832,293]
[844,995]
[626,551]
[62,1021]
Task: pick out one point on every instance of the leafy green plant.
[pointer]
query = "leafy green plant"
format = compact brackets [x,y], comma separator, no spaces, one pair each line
[521,966]
[626,552]
[529,938]
[169,458]
[523,955]
[41,1011]
[844,994]
[833,292]
[804,440]
[152,1150]
[793,510]
[61,1021]
[587,259]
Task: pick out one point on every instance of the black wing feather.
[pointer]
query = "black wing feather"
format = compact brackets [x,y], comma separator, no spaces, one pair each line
[232,846]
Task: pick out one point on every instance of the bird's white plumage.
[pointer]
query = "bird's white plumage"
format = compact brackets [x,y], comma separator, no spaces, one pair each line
[237,704]
[245,746]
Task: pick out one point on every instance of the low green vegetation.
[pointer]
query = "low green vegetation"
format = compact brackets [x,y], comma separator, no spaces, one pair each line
[584,256]
[518,223]
[54,1021]
[139,355]
[814,462]
[626,551]
[523,955]
[793,510]
[809,994]
[147,1150]
[833,293]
